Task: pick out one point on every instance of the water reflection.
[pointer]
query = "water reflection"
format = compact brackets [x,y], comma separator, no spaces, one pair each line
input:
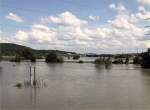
[1,72]
[108,66]
[145,72]
[33,94]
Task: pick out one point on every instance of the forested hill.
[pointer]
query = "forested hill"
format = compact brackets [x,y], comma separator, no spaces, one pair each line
[9,49]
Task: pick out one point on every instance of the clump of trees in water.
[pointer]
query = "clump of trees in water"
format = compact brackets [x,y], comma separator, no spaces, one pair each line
[103,61]
[118,61]
[76,57]
[115,60]
[0,57]
[99,61]
[137,59]
[16,59]
[146,59]
[52,57]
[26,54]
[80,61]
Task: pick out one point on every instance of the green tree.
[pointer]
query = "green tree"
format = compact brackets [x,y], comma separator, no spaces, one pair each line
[80,61]
[76,57]
[127,60]
[0,57]
[118,61]
[32,58]
[137,60]
[28,55]
[99,61]
[53,58]
[146,59]
[16,59]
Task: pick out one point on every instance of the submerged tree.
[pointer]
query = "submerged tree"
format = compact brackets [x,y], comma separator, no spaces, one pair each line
[99,61]
[146,55]
[118,61]
[28,55]
[53,58]
[76,57]
[16,59]
[127,60]
[0,57]
[146,59]
[137,60]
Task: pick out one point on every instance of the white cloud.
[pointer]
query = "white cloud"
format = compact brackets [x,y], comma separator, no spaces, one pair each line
[21,35]
[14,17]
[74,34]
[94,18]
[66,18]
[42,33]
[144,2]
[119,7]
[143,13]
[113,6]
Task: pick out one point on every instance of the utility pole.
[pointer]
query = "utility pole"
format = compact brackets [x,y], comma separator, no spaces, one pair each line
[30,76]
[34,78]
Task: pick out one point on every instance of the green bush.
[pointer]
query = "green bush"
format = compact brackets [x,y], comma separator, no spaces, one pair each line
[18,85]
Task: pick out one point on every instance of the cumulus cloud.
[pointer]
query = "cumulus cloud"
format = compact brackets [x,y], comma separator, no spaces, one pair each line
[118,7]
[74,34]
[66,19]
[21,35]
[38,33]
[14,17]
[143,13]
[144,2]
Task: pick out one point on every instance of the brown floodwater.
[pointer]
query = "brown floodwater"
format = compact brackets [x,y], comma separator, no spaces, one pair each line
[73,86]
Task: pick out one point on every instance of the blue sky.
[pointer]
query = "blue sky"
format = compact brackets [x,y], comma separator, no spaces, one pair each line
[98,18]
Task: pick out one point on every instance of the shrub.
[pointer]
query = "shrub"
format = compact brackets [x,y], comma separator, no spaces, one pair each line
[19,85]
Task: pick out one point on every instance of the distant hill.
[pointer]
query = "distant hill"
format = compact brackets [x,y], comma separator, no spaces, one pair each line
[9,49]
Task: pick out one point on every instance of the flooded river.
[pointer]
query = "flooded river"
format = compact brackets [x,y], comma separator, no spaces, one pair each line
[73,86]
